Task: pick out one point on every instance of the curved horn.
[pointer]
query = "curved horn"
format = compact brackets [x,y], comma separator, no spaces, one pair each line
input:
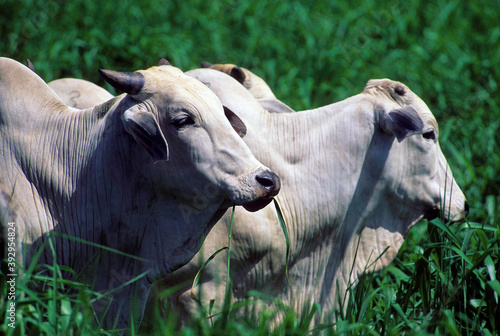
[128,82]
[163,61]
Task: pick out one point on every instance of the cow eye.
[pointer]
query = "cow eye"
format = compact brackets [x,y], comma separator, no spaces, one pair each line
[182,121]
[429,135]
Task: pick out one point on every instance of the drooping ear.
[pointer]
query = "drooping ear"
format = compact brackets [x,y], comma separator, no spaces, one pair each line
[128,82]
[238,74]
[206,64]
[238,124]
[402,122]
[146,131]
[163,61]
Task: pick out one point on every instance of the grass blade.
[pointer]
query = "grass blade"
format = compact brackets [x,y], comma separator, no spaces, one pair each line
[198,274]
[285,233]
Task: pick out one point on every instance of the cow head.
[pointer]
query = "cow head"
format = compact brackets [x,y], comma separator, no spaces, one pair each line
[257,87]
[183,127]
[416,168]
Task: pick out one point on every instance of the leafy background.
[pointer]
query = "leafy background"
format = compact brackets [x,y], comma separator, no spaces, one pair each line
[311,53]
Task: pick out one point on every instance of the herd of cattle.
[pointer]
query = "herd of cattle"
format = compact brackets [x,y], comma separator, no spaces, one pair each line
[127,188]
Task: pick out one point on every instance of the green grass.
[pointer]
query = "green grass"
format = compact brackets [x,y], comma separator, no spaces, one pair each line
[448,284]
[445,279]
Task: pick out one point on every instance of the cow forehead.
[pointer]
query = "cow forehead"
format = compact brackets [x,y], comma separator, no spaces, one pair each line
[160,78]
[385,82]
[173,82]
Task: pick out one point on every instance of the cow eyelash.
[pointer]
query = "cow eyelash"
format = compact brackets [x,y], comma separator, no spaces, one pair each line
[183,121]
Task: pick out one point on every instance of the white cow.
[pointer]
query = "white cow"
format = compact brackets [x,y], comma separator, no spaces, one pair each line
[79,93]
[359,172]
[147,173]
[254,84]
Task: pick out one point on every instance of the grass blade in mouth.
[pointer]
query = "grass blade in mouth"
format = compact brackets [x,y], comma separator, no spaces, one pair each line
[285,233]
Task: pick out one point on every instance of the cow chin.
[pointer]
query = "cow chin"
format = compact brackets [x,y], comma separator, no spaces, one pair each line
[257,204]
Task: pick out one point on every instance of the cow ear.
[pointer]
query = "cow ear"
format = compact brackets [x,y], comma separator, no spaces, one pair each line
[403,122]
[238,74]
[147,132]
[238,125]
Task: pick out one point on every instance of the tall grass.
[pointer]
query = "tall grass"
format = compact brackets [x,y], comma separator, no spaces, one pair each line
[446,285]
[445,278]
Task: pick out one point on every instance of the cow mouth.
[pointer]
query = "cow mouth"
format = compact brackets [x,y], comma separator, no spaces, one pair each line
[432,213]
[257,204]
[435,212]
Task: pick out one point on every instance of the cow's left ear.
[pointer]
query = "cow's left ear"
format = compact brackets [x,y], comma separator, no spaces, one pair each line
[238,74]
[402,122]
[238,124]
[147,132]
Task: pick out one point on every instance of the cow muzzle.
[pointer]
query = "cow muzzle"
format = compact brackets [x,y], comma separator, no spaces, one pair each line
[268,185]
[436,212]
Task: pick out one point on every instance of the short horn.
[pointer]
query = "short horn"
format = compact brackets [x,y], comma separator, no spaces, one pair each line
[206,64]
[128,82]
[30,65]
[163,61]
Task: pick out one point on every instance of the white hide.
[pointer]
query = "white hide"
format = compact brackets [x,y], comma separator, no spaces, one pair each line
[147,173]
[255,85]
[79,93]
[346,177]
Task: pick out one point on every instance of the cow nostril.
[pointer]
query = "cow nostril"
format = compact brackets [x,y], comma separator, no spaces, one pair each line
[269,181]
[466,208]
[266,181]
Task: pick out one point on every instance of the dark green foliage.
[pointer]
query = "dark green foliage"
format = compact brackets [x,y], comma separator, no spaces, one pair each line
[312,53]
[445,284]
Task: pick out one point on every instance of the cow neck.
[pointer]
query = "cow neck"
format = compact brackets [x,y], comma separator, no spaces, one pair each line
[93,183]
[137,214]
[54,163]
[306,147]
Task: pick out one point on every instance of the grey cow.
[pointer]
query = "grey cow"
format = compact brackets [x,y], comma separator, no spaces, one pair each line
[357,173]
[147,173]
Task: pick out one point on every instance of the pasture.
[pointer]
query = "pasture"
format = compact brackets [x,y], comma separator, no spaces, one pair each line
[445,279]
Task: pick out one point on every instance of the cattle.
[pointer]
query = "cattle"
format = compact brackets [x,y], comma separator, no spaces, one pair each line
[79,93]
[254,84]
[356,176]
[122,192]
